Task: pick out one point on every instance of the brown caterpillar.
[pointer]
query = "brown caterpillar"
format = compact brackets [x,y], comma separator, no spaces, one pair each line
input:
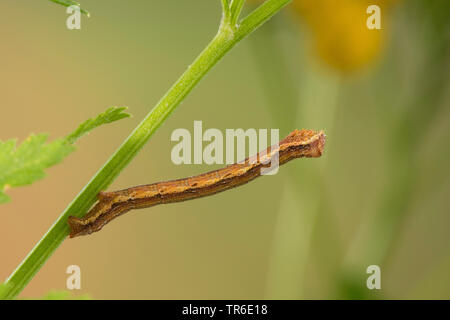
[298,144]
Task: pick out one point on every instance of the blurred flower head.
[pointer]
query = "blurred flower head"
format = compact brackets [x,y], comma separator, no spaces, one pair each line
[339,28]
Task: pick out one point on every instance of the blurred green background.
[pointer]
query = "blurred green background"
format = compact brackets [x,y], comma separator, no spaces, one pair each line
[378,196]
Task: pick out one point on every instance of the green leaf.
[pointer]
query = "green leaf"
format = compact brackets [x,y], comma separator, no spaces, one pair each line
[24,164]
[53,294]
[110,115]
[68,3]
[64,295]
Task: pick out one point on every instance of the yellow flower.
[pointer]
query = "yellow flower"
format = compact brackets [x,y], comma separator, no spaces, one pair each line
[340,33]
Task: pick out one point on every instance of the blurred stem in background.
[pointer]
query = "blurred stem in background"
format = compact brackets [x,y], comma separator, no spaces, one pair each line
[380,234]
[304,200]
[275,74]
[303,195]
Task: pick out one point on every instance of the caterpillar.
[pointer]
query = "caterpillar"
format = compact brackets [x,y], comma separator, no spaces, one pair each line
[110,205]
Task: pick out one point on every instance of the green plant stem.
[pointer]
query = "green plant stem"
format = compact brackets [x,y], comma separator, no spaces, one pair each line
[236,8]
[68,3]
[226,11]
[225,39]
